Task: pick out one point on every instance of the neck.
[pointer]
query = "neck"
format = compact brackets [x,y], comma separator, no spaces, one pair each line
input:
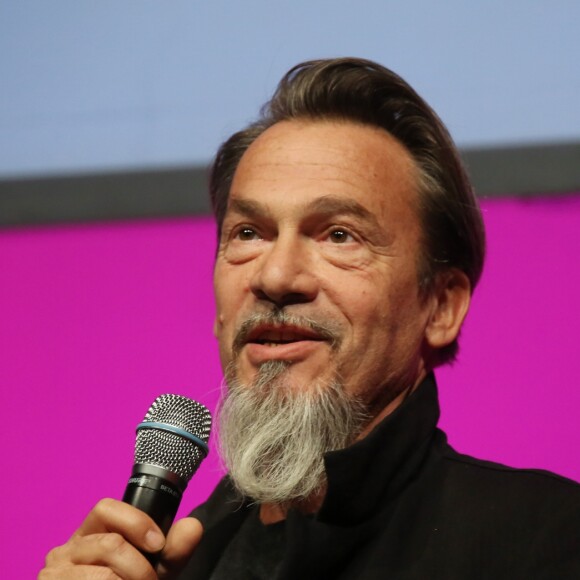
[270,513]
[384,406]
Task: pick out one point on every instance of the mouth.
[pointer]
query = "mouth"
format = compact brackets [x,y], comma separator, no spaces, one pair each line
[266,342]
[277,335]
[282,336]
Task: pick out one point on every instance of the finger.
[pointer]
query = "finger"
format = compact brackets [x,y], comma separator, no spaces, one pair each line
[111,515]
[182,539]
[89,572]
[110,551]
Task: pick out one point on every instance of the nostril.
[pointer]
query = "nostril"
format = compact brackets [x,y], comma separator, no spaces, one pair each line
[281,300]
[295,298]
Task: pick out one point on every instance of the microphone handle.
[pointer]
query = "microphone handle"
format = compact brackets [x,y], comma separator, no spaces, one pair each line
[157,497]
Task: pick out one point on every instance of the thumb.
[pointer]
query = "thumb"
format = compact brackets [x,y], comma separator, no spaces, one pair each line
[182,539]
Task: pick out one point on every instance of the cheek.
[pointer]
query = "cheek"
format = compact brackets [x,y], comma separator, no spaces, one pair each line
[230,285]
[224,333]
[356,299]
[231,290]
[386,314]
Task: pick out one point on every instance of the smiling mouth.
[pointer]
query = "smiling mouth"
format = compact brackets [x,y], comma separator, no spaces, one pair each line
[281,342]
[277,336]
[284,334]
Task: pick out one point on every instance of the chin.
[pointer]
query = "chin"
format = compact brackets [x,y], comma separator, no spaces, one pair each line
[282,375]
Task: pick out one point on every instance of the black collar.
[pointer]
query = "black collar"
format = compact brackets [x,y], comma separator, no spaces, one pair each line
[380,465]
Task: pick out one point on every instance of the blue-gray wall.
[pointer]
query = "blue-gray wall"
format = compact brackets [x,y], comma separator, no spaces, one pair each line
[111,108]
[99,85]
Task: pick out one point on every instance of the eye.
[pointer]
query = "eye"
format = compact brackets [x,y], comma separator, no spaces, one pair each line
[246,234]
[339,236]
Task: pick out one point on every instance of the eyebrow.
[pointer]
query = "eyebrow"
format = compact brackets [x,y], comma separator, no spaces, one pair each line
[326,205]
[333,205]
[248,207]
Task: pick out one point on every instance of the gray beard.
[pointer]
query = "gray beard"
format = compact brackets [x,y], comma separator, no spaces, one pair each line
[273,437]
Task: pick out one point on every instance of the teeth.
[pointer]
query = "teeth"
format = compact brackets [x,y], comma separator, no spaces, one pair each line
[278,337]
[274,337]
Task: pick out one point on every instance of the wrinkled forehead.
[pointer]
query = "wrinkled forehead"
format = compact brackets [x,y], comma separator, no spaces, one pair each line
[334,157]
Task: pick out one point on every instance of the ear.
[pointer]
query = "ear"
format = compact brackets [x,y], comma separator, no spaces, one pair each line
[450,306]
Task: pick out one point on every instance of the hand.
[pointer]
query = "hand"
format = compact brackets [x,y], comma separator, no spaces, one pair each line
[110,541]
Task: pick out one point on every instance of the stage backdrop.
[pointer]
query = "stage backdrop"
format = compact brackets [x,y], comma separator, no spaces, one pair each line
[97,320]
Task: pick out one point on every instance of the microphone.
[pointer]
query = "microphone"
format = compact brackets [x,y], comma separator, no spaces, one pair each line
[171,443]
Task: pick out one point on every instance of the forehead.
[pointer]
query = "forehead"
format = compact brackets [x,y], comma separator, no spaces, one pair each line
[307,159]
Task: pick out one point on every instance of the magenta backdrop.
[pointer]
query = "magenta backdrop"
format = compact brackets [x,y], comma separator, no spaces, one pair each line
[97,320]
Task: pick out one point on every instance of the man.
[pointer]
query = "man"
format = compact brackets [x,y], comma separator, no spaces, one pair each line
[350,244]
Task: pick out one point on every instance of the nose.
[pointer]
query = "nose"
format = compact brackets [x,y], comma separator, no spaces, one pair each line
[284,274]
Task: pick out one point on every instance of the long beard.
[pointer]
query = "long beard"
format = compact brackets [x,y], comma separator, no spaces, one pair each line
[273,437]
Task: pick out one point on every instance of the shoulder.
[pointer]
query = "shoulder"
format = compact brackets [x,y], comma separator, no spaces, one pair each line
[520,518]
[490,473]
[533,496]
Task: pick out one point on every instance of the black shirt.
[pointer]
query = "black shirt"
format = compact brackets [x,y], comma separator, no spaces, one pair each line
[255,552]
[402,504]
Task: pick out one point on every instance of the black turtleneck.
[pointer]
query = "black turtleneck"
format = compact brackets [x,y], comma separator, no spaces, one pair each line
[401,504]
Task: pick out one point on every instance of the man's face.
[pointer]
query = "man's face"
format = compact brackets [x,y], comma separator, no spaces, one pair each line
[321,223]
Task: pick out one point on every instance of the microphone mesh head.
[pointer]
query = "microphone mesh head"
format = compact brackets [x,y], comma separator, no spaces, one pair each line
[168,450]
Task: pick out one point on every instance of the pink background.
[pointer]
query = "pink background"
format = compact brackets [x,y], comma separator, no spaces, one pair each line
[97,320]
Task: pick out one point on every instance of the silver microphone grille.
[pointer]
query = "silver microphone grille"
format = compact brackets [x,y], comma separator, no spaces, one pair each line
[174,435]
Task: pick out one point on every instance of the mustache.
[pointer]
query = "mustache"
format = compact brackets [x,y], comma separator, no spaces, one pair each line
[279,317]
